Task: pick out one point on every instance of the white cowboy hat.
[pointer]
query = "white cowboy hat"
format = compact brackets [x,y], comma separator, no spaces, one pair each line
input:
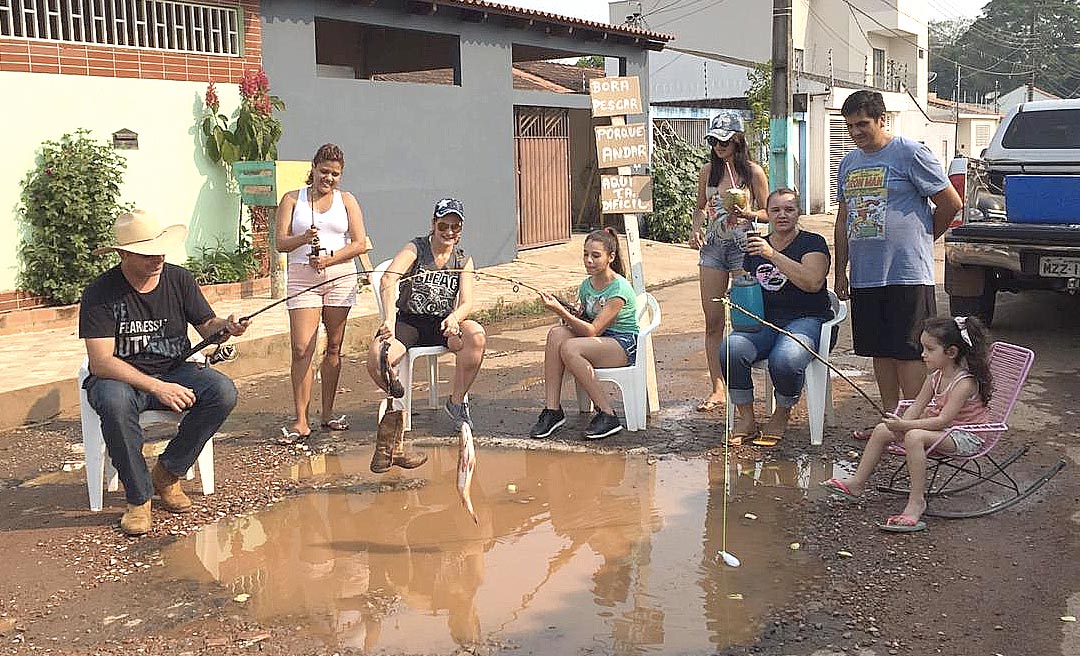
[141,232]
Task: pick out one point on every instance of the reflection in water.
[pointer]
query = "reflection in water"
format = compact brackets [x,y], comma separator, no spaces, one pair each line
[572,550]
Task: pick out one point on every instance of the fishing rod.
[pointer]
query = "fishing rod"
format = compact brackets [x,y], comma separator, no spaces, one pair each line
[221,335]
[731,304]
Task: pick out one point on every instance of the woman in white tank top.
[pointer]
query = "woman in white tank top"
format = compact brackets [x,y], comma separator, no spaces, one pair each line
[322,230]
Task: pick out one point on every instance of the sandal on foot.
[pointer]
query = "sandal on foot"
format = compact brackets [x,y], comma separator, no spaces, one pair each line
[709,406]
[339,424]
[767,440]
[862,434]
[902,524]
[839,487]
[738,439]
[292,436]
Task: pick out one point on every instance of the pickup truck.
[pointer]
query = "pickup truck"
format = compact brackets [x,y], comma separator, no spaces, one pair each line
[991,250]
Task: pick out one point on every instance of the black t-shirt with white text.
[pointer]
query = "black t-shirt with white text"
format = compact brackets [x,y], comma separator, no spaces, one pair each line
[151,329]
[784,301]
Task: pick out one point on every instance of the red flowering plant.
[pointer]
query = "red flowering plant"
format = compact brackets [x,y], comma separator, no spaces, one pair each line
[255,134]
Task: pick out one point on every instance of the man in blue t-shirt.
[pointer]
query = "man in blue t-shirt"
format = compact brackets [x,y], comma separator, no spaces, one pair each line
[134,320]
[885,229]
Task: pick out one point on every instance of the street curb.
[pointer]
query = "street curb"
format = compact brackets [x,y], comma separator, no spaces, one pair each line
[41,403]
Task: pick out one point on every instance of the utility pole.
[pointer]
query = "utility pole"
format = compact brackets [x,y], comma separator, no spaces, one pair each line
[781,126]
[1031,51]
[956,115]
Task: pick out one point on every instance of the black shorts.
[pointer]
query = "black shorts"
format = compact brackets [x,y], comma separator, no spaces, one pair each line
[885,320]
[418,330]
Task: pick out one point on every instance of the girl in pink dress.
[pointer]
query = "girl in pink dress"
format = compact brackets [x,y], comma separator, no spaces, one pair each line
[955,394]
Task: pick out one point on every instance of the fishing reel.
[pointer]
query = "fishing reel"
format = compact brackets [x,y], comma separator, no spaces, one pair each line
[222,353]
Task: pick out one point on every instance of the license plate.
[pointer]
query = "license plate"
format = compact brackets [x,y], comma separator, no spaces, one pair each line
[1059,267]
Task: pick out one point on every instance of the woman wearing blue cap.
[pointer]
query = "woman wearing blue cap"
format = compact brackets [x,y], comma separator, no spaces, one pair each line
[731,192]
[427,300]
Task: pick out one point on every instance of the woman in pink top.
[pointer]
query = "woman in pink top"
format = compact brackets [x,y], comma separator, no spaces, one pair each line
[955,394]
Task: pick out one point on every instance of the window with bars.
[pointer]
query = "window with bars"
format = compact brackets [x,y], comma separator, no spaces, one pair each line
[157,24]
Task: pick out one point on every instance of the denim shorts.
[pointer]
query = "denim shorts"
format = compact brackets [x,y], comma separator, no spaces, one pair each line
[967,444]
[628,342]
[723,254]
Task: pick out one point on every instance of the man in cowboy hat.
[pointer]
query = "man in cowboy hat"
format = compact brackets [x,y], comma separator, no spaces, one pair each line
[134,319]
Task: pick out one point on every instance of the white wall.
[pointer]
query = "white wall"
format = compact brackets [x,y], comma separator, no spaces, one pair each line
[168,174]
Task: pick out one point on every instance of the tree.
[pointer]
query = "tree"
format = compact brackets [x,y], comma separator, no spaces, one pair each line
[1006,43]
[592,61]
[759,97]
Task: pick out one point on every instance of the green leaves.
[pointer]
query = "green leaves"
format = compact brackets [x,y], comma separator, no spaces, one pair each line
[253,137]
[68,203]
[218,264]
[675,166]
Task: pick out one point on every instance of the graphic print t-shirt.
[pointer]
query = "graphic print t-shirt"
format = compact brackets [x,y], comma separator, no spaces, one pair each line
[593,300]
[889,223]
[151,329]
[784,301]
[433,293]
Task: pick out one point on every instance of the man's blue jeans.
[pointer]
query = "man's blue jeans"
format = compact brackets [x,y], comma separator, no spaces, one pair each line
[787,360]
[119,404]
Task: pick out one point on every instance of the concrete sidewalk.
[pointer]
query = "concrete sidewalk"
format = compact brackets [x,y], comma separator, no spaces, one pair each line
[37,369]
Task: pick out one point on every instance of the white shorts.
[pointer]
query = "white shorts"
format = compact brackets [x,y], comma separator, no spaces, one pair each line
[340,293]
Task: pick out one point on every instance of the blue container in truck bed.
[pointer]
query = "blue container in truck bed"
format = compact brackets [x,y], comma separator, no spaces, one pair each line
[1043,199]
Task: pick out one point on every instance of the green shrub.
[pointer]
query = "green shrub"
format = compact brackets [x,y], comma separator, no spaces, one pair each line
[675,168]
[69,202]
[218,264]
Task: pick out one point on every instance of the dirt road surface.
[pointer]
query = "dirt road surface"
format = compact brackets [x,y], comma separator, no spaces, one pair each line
[995,585]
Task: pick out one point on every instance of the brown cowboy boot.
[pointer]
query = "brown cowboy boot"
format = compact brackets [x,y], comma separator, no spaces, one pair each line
[403,458]
[390,426]
[167,486]
[136,519]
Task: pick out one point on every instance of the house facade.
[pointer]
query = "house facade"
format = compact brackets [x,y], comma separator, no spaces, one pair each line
[838,48]
[426,102]
[131,66]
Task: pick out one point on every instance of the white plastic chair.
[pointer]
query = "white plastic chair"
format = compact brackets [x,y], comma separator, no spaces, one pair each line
[97,462]
[818,385]
[405,365]
[631,380]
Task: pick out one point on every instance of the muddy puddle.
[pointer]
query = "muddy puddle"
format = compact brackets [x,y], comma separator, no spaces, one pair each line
[573,553]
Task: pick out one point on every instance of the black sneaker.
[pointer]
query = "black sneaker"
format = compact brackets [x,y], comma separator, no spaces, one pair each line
[602,425]
[549,421]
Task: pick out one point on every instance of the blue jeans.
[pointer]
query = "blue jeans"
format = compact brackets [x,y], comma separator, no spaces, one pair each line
[119,404]
[787,360]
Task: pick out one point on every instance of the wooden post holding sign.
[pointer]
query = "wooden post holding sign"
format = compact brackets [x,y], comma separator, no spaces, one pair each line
[620,146]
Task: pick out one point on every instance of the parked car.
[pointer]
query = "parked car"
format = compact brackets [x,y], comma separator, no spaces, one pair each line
[1033,241]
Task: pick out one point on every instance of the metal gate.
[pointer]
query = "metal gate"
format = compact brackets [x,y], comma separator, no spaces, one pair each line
[840,144]
[542,163]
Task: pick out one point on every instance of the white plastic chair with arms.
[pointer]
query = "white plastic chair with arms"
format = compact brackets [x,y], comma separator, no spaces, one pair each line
[631,380]
[99,467]
[818,385]
[405,366]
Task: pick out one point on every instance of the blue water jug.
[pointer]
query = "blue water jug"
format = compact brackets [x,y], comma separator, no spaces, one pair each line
[746,293]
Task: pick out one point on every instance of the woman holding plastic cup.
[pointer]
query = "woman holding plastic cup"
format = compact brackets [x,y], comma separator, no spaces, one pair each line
[790,265]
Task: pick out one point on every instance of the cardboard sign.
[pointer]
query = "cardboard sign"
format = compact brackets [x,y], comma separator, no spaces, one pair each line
[626,194]
[615,96]
[621,145]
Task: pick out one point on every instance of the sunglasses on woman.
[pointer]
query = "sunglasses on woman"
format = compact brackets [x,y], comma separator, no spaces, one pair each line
[715,142]
[443,226]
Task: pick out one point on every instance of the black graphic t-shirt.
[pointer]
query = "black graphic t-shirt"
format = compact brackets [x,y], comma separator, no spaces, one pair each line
[151,329]
[784,301]
[432,293]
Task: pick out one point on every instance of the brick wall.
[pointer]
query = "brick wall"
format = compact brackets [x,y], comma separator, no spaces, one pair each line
[41,56]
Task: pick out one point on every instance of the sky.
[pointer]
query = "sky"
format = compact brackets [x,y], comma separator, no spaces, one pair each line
[597,10]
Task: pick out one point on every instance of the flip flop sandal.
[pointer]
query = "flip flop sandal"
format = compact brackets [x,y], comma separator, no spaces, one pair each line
[291,436]
[766,440]
[862,434]
[840,488]
[393,386]
[902,524]
[709,406]
[738,439]
[339,424]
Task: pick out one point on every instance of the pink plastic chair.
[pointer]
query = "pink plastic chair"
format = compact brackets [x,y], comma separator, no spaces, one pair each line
[1009,368]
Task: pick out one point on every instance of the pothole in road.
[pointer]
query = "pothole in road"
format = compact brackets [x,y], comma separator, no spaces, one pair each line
[572,550]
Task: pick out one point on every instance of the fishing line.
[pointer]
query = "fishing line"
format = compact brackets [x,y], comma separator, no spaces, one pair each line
[222,334]
[731,304]
[726,556]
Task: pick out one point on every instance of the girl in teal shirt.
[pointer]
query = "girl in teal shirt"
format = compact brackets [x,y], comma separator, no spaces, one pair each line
[602,334]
